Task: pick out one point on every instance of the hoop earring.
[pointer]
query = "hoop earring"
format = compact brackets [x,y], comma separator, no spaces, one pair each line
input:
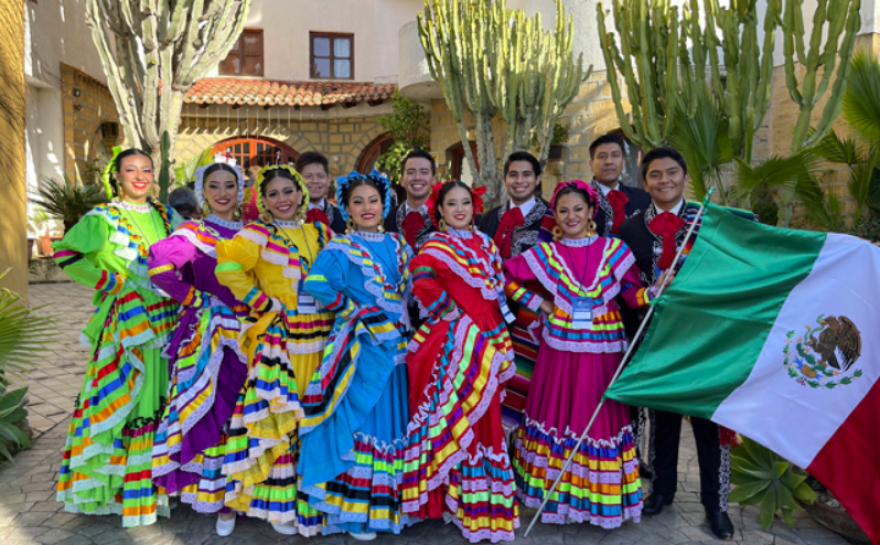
[591,228]
[381,228]
[349,226]
[441,225]
[557,233]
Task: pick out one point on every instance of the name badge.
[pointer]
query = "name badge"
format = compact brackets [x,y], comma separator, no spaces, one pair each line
[581,313]
[291,272]
[128,254]
[306,304]
[120,238]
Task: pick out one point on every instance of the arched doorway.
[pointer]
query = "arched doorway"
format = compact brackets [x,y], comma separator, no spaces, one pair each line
[258,152]
[379,145]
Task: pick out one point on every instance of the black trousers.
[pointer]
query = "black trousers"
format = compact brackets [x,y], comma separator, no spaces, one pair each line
[666,436]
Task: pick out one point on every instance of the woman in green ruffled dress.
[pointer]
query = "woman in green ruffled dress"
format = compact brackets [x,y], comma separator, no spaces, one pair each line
[106,467]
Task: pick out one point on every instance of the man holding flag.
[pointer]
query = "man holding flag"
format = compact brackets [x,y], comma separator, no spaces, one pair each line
[655,235]
[769,332]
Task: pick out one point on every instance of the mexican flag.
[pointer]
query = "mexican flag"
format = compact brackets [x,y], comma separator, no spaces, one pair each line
[774,333]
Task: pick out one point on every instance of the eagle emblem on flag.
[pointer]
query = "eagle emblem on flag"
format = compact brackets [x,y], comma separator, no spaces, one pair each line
[823,357]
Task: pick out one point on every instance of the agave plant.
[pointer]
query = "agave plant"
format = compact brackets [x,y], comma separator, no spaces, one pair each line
[68,201]
[22,330]
[763,478]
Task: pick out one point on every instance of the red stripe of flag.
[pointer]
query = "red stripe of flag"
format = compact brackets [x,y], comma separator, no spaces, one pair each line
[847,464]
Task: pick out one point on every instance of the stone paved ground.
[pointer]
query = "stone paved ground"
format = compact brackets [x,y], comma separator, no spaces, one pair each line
[29,513]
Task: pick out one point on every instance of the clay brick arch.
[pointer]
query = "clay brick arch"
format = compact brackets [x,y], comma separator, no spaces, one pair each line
[257,151]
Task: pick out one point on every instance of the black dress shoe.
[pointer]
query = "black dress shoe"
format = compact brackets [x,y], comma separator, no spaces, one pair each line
[654,504]
[720,524]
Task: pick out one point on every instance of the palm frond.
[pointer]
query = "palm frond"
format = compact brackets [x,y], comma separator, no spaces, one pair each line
[861,100]
[68,201]
[836,150]
[23,332]
[704,142]
[781,173]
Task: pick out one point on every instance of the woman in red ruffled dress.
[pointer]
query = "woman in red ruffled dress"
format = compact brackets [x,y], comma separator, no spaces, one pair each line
[457,466]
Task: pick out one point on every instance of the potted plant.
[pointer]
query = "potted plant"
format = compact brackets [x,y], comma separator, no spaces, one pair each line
[39,223]
[69,201]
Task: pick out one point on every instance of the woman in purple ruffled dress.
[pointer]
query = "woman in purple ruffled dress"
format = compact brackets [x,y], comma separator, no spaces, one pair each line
[207,367]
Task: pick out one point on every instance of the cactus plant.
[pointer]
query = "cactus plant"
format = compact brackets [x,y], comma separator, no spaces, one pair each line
[832,39]
[491,60]
[153,52]
[664,68]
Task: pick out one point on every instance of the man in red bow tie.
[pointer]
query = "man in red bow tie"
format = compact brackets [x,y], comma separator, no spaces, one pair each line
[517,225]
[655,235]
[410,218]
[315,170]
[617,201]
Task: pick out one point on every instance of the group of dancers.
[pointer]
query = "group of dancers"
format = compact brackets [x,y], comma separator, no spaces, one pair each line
[362,366]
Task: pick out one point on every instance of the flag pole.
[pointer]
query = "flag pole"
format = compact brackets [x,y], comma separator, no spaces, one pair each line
[620,367]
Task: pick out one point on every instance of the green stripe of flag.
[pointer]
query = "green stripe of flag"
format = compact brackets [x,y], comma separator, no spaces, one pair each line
[709,327]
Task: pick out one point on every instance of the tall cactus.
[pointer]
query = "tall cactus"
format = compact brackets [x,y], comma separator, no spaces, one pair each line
[490,60]
[647,60]
[154,50]
[672,62]
[832,39]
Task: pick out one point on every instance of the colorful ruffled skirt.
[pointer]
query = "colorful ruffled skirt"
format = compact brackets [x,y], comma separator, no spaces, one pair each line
[354,433]
[602,485]
[207,373]
[264,444]
[457,464]
[107,462]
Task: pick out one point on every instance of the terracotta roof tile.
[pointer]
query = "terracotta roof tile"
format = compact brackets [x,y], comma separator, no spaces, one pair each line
[261,92]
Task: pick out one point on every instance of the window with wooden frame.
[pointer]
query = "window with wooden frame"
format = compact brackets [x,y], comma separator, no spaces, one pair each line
[331,55]
[246,57]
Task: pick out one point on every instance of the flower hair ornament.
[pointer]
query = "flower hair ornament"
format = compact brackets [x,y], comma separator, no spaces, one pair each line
[433,200]
[109,171]
[297,179]
[200,184]
[344,182]
[592,196]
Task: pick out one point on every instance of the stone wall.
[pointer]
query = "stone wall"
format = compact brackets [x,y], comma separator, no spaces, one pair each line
[341,140]
[83,116]
[13,223]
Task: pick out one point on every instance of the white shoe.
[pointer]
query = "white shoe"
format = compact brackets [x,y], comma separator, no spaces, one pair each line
[225,527]
[285,528]
[366,536]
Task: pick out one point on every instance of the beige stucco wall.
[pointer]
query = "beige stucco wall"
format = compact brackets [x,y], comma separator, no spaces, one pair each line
[55,33]
[13,242]
[286,25]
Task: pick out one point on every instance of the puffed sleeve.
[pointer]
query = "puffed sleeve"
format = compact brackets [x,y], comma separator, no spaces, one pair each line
[427,288]
[627,273]
[236,258]
[76,253]
[167,259]
[516,273]
[327,281]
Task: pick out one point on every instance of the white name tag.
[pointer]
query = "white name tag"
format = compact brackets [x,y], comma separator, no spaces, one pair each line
[581,313]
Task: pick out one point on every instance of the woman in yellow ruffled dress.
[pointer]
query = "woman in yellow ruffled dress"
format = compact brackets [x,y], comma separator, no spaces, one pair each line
[265,266]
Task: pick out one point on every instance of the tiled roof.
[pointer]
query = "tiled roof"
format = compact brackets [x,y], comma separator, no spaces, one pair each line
[262,92]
